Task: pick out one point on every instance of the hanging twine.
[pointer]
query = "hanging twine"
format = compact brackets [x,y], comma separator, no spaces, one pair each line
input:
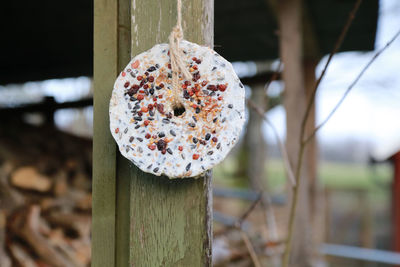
[176,56]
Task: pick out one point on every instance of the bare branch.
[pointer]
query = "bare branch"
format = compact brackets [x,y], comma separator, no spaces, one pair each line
[285,157]
[338,43]
[250,248]
[310,103]
[240,221]
[246,240]
[376,55]
[274,76]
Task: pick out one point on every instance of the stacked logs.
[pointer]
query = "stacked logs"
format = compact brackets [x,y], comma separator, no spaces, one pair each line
[45,196]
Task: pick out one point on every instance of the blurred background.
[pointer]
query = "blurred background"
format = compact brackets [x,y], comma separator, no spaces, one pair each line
[352,208]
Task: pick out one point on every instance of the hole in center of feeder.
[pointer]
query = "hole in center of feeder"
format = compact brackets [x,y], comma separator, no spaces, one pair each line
[179,110]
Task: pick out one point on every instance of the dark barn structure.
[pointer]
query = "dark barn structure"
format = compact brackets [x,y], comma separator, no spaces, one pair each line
[52,39]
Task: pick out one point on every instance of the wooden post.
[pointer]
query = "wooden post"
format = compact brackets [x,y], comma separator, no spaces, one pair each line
[291,52]
[140,219]
[254,141]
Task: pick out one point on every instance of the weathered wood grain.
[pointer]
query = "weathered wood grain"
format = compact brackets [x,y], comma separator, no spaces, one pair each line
[123,166]
[170,219]
[173,229]
[104,149]
[140,219]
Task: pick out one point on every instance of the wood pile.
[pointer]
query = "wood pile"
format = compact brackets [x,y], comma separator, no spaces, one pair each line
[45,196]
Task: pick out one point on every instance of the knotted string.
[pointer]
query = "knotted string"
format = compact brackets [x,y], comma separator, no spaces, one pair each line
[176,56]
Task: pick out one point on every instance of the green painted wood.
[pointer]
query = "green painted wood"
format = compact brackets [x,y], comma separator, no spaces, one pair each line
[123,166]
[170,219]
[140,219]
[104,149]
[123,212]
[170,223]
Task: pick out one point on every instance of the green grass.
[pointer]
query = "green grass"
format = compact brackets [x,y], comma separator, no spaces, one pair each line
[338,175]
[331,174]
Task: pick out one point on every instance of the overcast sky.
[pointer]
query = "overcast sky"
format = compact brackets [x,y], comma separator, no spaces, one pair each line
[371,112]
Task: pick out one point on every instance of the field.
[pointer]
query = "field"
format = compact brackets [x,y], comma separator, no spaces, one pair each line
[331,174]
[357,199]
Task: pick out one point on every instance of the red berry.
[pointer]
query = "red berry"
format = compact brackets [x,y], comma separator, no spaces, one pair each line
[180,148]
[147,136]
[196,156]
[152,147]
[140,97]
[160,108]
[212,87]
[222,87]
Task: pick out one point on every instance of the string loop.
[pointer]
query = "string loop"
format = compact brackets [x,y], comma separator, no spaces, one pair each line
[178,65]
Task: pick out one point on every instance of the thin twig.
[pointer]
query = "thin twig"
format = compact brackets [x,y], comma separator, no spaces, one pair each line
[270,217]
[376,55]
[241,219]
[293,209]
[282,148]
[274,75]
[266,201]
[338,43]
[245,238]
[272,229]
[310,103]
[250,248]
[288,169]
[238,224]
